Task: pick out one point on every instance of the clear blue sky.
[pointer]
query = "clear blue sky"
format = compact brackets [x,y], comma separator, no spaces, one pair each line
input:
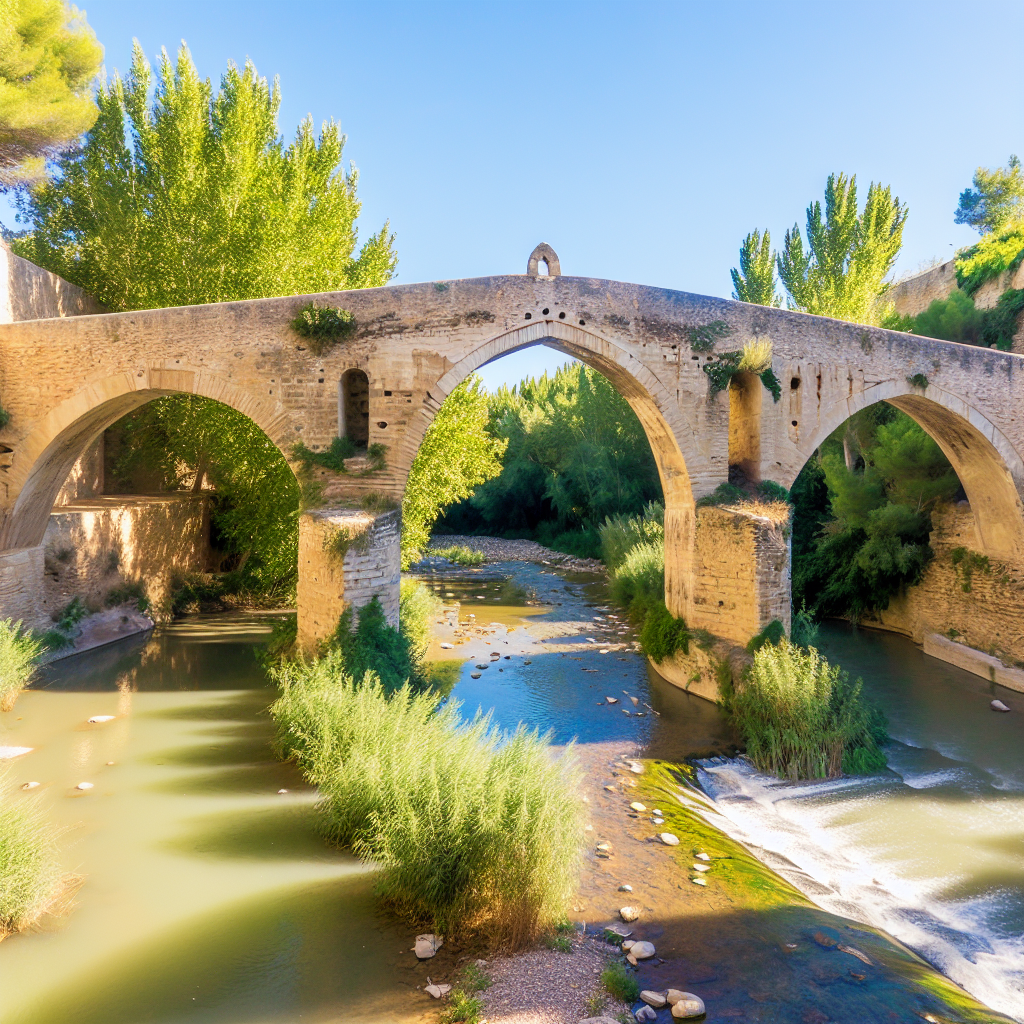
[641,140]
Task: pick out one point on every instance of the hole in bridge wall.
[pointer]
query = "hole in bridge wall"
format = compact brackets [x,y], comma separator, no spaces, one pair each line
[354,407]
[542,268]
[745,394]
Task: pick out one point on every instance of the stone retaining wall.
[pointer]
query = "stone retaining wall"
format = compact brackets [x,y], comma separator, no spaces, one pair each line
[346,557]
[95,545]
[981,604]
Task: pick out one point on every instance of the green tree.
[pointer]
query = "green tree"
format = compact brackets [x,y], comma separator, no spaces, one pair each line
[205,204]
[457,455]
[576,454]
[187,442]
[842,271]
[996,201]
[755,280]
[49,58]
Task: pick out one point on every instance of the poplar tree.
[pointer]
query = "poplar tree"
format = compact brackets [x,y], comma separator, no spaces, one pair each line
[848,255]
[755,280]
[843,269]
[193,197]
[49,58]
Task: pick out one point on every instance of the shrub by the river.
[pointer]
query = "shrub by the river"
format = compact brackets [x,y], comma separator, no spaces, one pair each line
[802,718]
[633,548]
[30,879]
[473,831]
[460,554]
[18,652]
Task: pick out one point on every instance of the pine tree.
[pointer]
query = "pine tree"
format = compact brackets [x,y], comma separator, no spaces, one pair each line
[755,280]
[49,58]
[206,204]
[996,201]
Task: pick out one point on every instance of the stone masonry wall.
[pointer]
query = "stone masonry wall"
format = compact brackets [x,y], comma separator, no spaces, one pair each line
[988,615]
[741,572]
[346,557]
[95,545]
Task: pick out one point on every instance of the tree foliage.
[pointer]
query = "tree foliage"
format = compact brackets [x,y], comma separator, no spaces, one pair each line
[205,204]
[863,513]
[755,280]
[997,199]
[49,58]
[576,454]
[187,442]
[457,454]
[841,271]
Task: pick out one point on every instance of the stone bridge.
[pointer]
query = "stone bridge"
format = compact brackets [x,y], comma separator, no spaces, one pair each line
[65,378]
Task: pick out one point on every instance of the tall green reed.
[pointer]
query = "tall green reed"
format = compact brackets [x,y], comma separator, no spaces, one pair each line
[18,652]
[473,830]
[802,718]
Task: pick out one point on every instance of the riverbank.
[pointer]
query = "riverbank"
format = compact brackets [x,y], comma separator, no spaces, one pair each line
[745,941]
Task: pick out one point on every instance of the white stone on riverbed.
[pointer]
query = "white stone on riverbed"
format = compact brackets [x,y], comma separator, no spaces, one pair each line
[689,1006]
[427,945]
[84,786]
[629,914]
[636,768]
[437,990]
[30,785]
[701,867]
[447,647]
[100,719]
[7,753]
[637,806]
[611,700]
[642,950]
[625,888]
[646,1014]
[998,705]
[668,839]
[655,999]
[702,856]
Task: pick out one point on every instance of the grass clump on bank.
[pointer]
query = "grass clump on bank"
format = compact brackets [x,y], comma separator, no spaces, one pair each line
[802,718]
[460,554]
[620,983]
[30,878]
[473,830]
[18,652]
[633,549]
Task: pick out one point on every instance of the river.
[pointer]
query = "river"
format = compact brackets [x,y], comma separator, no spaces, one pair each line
[208,898]
[932,851]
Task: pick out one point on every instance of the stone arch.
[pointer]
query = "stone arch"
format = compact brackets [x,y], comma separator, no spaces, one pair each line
[671,438]
[45,457]
[989,467]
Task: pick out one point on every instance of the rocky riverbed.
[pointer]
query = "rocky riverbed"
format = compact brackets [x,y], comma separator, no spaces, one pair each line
[536,641]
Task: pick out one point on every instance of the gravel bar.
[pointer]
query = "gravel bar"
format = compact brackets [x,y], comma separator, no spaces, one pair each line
[496,549]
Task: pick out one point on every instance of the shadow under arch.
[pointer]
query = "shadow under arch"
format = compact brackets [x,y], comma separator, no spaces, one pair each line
[671,438]
[58,440]
[988,466]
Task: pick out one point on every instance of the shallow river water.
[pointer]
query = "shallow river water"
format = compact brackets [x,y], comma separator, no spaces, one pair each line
[207,896]
[932,851]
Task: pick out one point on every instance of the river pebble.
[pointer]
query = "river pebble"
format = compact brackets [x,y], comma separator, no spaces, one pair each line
[655,999]
[668,839]
[100,719]
[625,888]
[30,785]
[427,945]
[642,950]
[437,990]
[84,786]
[998,705]
[7,753]
[646,1013]
[689,1006]
[629,914]
[702,856]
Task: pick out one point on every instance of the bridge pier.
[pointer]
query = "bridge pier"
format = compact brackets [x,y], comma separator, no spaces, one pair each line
[347,557]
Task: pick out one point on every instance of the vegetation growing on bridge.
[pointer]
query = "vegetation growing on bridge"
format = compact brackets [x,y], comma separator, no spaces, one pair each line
[323,326]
